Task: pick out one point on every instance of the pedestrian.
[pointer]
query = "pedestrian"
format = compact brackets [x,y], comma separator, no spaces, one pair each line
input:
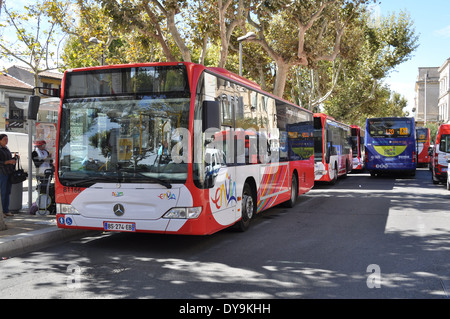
[164,149]
[7,166]
[41,157]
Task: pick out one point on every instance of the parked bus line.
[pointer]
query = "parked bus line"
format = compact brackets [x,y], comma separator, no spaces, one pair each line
[180,148]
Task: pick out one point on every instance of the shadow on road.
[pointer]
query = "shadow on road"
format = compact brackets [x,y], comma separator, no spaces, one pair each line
[324,247]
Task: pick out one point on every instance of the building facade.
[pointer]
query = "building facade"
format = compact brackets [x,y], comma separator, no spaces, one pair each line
[427,95]
[444,91]
[13,90]
[16,85]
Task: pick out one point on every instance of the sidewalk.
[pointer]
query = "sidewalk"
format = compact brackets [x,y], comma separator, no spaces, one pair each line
[27,232]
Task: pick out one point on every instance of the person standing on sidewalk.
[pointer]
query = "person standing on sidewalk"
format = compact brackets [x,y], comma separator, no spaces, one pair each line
[7,165]
[41,157]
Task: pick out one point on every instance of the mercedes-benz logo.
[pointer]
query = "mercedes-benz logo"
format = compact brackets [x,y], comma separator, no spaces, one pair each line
[119,210]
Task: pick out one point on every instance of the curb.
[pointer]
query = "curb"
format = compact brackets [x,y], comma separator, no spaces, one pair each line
[27,242]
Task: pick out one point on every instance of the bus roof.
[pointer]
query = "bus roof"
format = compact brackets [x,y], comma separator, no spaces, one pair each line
[326,116]
[390,118]
[323,115]
[216,70]
[444,129]
[233,76]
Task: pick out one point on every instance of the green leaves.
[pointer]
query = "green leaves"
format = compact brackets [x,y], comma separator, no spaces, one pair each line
[34,34]
[326,53]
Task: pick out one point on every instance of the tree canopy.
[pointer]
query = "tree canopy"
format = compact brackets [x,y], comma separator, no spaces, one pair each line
[35,31]
[321,54]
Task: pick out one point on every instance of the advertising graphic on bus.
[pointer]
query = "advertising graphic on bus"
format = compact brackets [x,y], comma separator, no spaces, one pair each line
[441,154]
[358,148]
[423,145]
[175,148]
[332,148]
[390,145]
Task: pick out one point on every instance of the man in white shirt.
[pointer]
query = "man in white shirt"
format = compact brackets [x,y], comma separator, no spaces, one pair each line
[41,157]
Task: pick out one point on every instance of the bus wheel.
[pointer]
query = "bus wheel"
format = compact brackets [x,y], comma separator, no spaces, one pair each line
[294,193]
[336,172]
[435,181]
[248,208]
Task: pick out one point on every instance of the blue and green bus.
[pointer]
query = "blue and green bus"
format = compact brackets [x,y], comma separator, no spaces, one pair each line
[390,145]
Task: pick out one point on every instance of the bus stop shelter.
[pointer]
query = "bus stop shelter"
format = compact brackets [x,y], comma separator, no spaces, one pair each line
[46,104]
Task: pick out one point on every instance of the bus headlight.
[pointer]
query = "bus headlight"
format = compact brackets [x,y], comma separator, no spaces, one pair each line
[66,209]
[183,212]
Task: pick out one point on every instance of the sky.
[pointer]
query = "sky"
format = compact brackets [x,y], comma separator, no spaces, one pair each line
[432,24]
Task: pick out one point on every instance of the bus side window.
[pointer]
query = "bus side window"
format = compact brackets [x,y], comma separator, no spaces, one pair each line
[443,144]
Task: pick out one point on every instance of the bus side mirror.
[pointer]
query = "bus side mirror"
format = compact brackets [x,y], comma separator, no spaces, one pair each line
[53,92]
[211,115]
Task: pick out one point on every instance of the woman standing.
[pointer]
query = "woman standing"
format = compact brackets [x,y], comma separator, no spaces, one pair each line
[7,164]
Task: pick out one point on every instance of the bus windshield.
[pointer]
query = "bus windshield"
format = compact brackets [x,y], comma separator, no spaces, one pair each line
[422,135]
[124,125]
[390,127]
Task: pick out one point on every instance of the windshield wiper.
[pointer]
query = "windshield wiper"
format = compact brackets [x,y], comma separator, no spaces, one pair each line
[77,182]
[160,181]
[92,180]
[108,178]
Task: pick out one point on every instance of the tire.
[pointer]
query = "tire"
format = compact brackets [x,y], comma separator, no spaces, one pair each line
[435,181]
[334,180]
[346,170]
[294,193]
[248,208]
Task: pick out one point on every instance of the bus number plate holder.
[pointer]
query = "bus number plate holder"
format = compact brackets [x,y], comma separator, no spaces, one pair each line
[118,226]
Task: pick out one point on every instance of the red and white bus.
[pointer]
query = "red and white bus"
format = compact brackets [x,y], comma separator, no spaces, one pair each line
[175,148]
[332,148]
[441,154]
[423,145]
[358,148]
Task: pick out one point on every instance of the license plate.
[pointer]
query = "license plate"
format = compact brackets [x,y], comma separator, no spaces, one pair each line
[116,226]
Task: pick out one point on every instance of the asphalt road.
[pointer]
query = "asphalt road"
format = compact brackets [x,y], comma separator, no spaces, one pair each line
[365,237]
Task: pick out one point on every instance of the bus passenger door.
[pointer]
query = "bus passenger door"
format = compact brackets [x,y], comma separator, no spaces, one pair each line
[223,192]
